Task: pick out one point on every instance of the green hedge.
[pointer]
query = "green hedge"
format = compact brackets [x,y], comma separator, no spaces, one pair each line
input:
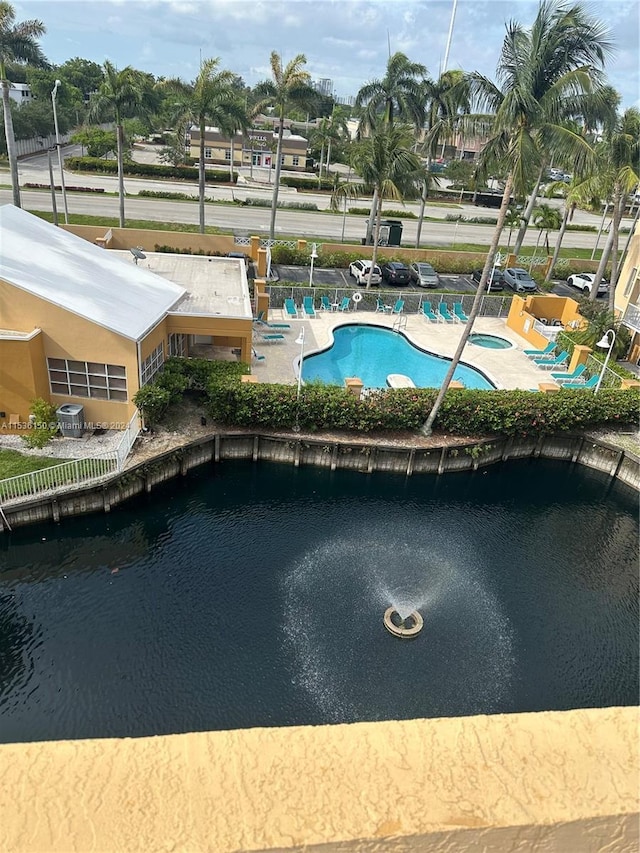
[310,184]
[110,167]
[464,412]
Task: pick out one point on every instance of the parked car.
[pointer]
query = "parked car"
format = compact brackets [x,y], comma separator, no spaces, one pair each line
[584,281]
[424,275]
[396,273]
[495,280]
[360,271]
[519,280]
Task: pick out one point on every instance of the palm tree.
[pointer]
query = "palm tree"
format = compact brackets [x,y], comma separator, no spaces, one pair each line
[210,98]
[389,169]
[616,175]
[511,220]
[18,42]
[546,218]
[120,95]
[337,131]
[399,94]
[539,69]
[289,86]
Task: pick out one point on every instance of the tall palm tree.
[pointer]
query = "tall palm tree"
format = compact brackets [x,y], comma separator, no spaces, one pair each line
[546,218]
[290,86]
[537,72]
[18,42]
[511,221]
[616,174]
[389,169]
[120,95]
[337,131]
[399,94]
[211,98]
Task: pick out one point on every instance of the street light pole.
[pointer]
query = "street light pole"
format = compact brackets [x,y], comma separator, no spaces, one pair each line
[299,340]
[603,344]
[54,206]
[314,255]
[55,122]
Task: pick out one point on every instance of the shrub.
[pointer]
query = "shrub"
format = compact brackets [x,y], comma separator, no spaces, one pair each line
[464,412]
[45,425]
[110,167]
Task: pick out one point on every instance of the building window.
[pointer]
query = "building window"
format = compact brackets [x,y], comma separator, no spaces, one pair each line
[630,283]
[282,160]
[177,345]
[152,364]
[207,153]
[296,160]
[87,379]
[227,154]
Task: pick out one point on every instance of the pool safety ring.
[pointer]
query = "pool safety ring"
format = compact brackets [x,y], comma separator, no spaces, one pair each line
[357,297]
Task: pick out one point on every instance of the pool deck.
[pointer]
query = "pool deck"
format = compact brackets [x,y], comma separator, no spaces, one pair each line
[506,368]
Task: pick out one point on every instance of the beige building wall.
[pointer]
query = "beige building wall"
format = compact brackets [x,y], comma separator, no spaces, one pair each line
[23,377]
[627,295]
[69,336]
[150,241]
[563,782]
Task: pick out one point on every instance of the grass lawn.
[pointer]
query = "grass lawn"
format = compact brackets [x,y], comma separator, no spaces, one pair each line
[13,463]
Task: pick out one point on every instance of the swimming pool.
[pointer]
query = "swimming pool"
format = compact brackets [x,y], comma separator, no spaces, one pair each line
[372,353]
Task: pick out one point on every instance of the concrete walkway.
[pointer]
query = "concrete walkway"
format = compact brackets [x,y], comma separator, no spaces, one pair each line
[506,368]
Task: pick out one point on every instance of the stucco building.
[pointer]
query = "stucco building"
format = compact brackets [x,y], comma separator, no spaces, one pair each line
[86,325]
[257,147]
[627,297]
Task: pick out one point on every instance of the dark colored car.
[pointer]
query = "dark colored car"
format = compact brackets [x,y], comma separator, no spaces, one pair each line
[395,273]
[494,282]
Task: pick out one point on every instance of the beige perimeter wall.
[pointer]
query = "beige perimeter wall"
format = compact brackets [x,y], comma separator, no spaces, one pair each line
[565,782]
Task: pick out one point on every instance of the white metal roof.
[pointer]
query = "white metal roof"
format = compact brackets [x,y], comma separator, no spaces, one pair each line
[80,277]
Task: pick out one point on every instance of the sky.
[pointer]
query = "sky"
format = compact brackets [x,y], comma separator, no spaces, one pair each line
[347,41]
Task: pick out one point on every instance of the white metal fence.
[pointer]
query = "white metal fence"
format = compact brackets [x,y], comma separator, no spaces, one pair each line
[72,473]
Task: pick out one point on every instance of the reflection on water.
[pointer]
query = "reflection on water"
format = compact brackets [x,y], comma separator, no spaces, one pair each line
[255,595]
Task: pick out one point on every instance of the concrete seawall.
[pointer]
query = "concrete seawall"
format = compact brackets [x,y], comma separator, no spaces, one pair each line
[354,456]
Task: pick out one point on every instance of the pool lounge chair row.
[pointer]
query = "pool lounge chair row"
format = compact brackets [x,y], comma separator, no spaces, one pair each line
[308,308]
[443,314]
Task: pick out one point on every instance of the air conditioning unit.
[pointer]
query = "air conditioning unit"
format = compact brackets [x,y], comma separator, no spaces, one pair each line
[71,420]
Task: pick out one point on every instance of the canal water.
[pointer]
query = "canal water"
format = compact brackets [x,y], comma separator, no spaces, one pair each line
[253,595]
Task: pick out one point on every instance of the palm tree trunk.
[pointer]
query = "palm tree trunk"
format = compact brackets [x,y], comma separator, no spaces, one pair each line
[427,429]
[276,186]
[201,179]
[376,238]
[231,163]
[556,251]
[120,155]
[11,142]
[535,250]
[614,253]
[326,171]
[603,263]
[526,216]
[423,202]
[320,166]
[372,217]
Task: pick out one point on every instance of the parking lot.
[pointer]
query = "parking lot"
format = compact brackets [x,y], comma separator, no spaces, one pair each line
[341,278]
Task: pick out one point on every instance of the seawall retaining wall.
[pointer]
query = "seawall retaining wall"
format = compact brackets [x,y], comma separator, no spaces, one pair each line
[354,456]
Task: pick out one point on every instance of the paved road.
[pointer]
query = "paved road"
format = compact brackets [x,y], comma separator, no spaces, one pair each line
[246,220]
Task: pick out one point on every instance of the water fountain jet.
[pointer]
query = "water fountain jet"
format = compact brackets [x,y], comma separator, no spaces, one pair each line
[404,627]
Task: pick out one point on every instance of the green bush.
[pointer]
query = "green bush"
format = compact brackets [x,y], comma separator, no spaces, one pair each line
[163,194]
[110,167]
[310,184]
[386,214]
[45,425]
[464,412]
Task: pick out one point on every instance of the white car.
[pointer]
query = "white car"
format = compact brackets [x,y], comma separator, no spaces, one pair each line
[584,281]
[360,271]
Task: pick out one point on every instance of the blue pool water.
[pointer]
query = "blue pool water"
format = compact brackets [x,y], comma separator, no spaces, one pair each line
[372,353]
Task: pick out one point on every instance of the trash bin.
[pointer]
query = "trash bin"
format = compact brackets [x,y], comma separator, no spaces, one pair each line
[71,420]
[395,231]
